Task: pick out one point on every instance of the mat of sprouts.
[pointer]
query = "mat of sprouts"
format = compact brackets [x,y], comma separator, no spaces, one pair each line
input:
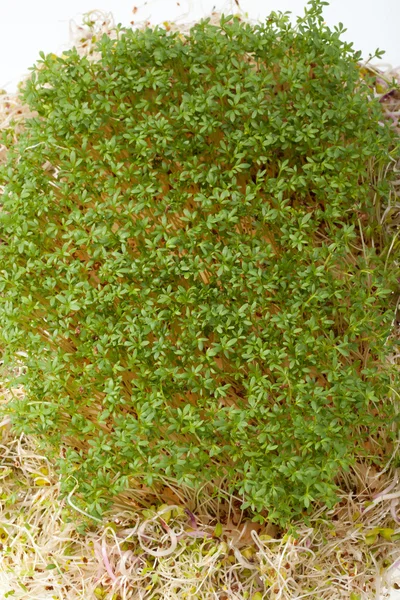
[187,545]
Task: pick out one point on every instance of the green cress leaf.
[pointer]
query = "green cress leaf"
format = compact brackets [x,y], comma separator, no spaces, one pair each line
[187,279]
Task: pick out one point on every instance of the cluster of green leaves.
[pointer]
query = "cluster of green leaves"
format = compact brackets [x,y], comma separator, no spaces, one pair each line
[182,267]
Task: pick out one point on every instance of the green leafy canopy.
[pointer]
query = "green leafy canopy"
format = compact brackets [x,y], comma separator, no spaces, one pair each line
[182,270]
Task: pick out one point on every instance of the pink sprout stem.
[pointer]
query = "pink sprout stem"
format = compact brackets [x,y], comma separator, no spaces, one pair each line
[386,490]
[393,512]
[107,562]
[192,518]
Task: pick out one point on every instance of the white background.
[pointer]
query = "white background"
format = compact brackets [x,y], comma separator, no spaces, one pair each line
[28,26]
